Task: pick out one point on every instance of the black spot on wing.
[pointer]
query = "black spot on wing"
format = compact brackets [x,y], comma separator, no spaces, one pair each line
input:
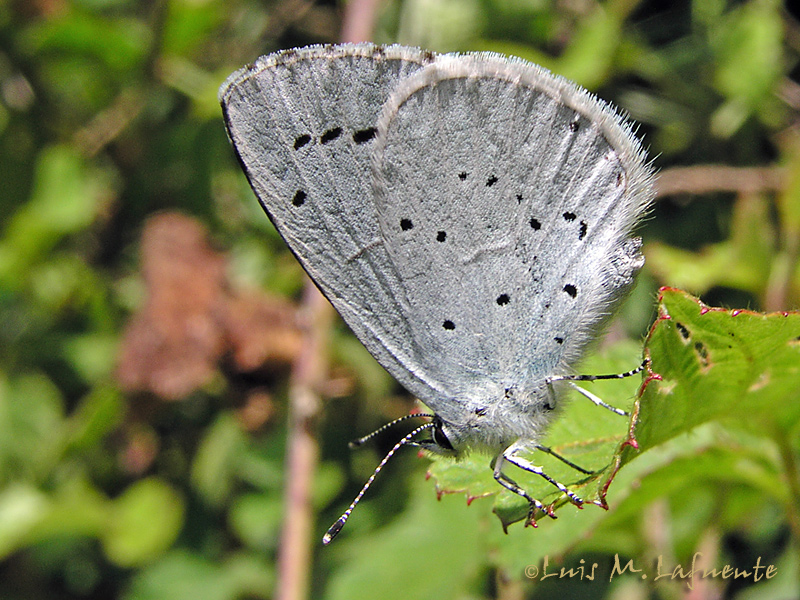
[330,135]
[301,141]
[362,136]
[299,198]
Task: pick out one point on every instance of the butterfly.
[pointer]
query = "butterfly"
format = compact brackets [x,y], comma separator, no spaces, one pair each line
[468,215]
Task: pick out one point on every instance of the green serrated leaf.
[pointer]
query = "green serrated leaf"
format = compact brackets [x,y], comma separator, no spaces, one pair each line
[732,365]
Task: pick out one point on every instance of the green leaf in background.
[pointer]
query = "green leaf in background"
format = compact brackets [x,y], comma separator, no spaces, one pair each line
[29,516]
[76,508]
[144,523]
[443,24]
[589,57]
[214,468]
[99,413]
[31,420]
[381,565]
[256,519]
[21,507]
[748,47]
[181,575]
[750,247]
[67,196]
[120,43]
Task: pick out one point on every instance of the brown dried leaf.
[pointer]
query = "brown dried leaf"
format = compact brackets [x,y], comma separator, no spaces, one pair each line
[262,332]
[191,319]
[173,344]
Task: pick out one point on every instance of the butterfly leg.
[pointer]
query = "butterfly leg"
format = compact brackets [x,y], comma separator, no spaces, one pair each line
[630,373]
[511,456]
[512,486]
[598,401]
[571,379]
[554,454]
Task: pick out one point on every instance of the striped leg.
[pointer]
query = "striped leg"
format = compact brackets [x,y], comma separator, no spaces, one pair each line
[511,456]
[567,462]
[571,379]
[512,486]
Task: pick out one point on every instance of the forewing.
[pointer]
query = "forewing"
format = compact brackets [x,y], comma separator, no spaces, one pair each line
[303,124]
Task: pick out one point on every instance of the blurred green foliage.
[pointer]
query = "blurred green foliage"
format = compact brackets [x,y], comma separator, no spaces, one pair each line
[108,114]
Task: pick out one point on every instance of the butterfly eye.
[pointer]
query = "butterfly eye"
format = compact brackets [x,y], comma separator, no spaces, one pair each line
[439,436]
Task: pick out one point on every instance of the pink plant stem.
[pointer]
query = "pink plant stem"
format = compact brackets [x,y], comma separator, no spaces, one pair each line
[310,370]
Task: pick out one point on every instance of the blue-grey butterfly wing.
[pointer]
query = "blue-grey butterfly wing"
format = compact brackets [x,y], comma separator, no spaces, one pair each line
[303,124]
[506,198]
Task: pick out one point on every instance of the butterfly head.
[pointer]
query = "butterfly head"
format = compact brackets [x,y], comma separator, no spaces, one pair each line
[440,440]
[492,422]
